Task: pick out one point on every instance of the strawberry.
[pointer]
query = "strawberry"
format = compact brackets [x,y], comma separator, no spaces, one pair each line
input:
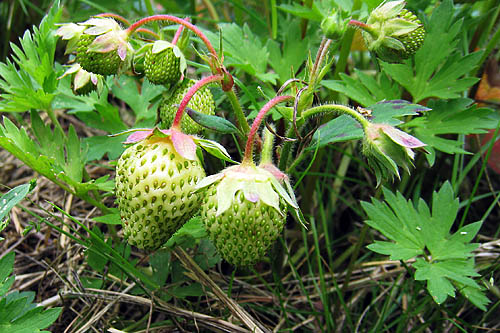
[164,63]
[411,41]
[244,211]
[202,101]
[393,32]
[101,48]
[154,189]
[96,62]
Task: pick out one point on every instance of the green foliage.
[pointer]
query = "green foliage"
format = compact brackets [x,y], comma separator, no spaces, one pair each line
[364,88]
[32,83]
[444,260]
[17,311]
[244,50]
[345,128]
[439,71]
[12,198]
[453,116]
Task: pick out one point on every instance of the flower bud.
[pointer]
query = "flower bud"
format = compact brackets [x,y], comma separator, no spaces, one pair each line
[386,148]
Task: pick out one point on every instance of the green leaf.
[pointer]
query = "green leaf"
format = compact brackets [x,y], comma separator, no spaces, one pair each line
[344,128]
[30,81]
[31,322]
[194,289]
[313,13]
[12,198]
[243,50]
[439,71]
[212,122]
[98,146]
[215,149]
[127,89]
[287,57]
[415,231]
[365,89]
[160,264]
[17,313]
[474,295]
[6,267]
[113,218]
[456,116]
[188,233]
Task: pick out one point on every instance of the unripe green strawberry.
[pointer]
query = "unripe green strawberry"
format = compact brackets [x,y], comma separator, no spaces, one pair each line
[243,212]
[163,67]
[202,101]
[411,41]
[155,191]
[393,32]
[104,63]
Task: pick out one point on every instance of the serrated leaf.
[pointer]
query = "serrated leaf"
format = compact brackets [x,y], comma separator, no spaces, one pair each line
[439,71]
[31,84]
[243,50]
[190,231]
[365,89]
[416,228]
[467,233]
[394,250]
[127,90]
[98,146]
[474,295]
[456,116]
[287,57]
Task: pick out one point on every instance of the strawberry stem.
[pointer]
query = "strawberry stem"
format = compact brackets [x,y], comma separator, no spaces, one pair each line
[339,109]
[248,158]
[178,33]
[149,32]
[366,27]
[190,94]
[115,16]
[177,20]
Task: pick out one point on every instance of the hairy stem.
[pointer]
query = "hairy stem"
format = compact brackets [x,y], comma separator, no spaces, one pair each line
[238,111]
[248,158]
[115,16]
[177,20]
[190,94]
[337,109]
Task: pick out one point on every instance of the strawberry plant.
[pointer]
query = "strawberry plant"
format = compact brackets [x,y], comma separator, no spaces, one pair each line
[221,168]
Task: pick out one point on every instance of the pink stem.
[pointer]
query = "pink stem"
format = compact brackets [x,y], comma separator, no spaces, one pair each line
[190,93]
[149,32]
[248,158]
[178,33]
[115,16]
[178,20]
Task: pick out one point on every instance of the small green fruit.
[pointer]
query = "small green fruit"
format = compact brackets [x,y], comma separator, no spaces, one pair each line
[162,67]
[155,191]
[243,213]
[202,101]
[104,63]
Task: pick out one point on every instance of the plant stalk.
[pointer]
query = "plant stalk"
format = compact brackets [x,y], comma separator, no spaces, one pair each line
[248,158]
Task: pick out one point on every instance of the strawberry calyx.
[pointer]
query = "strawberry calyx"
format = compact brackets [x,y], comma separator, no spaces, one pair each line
[255,182]
[83,82]
[184,144]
